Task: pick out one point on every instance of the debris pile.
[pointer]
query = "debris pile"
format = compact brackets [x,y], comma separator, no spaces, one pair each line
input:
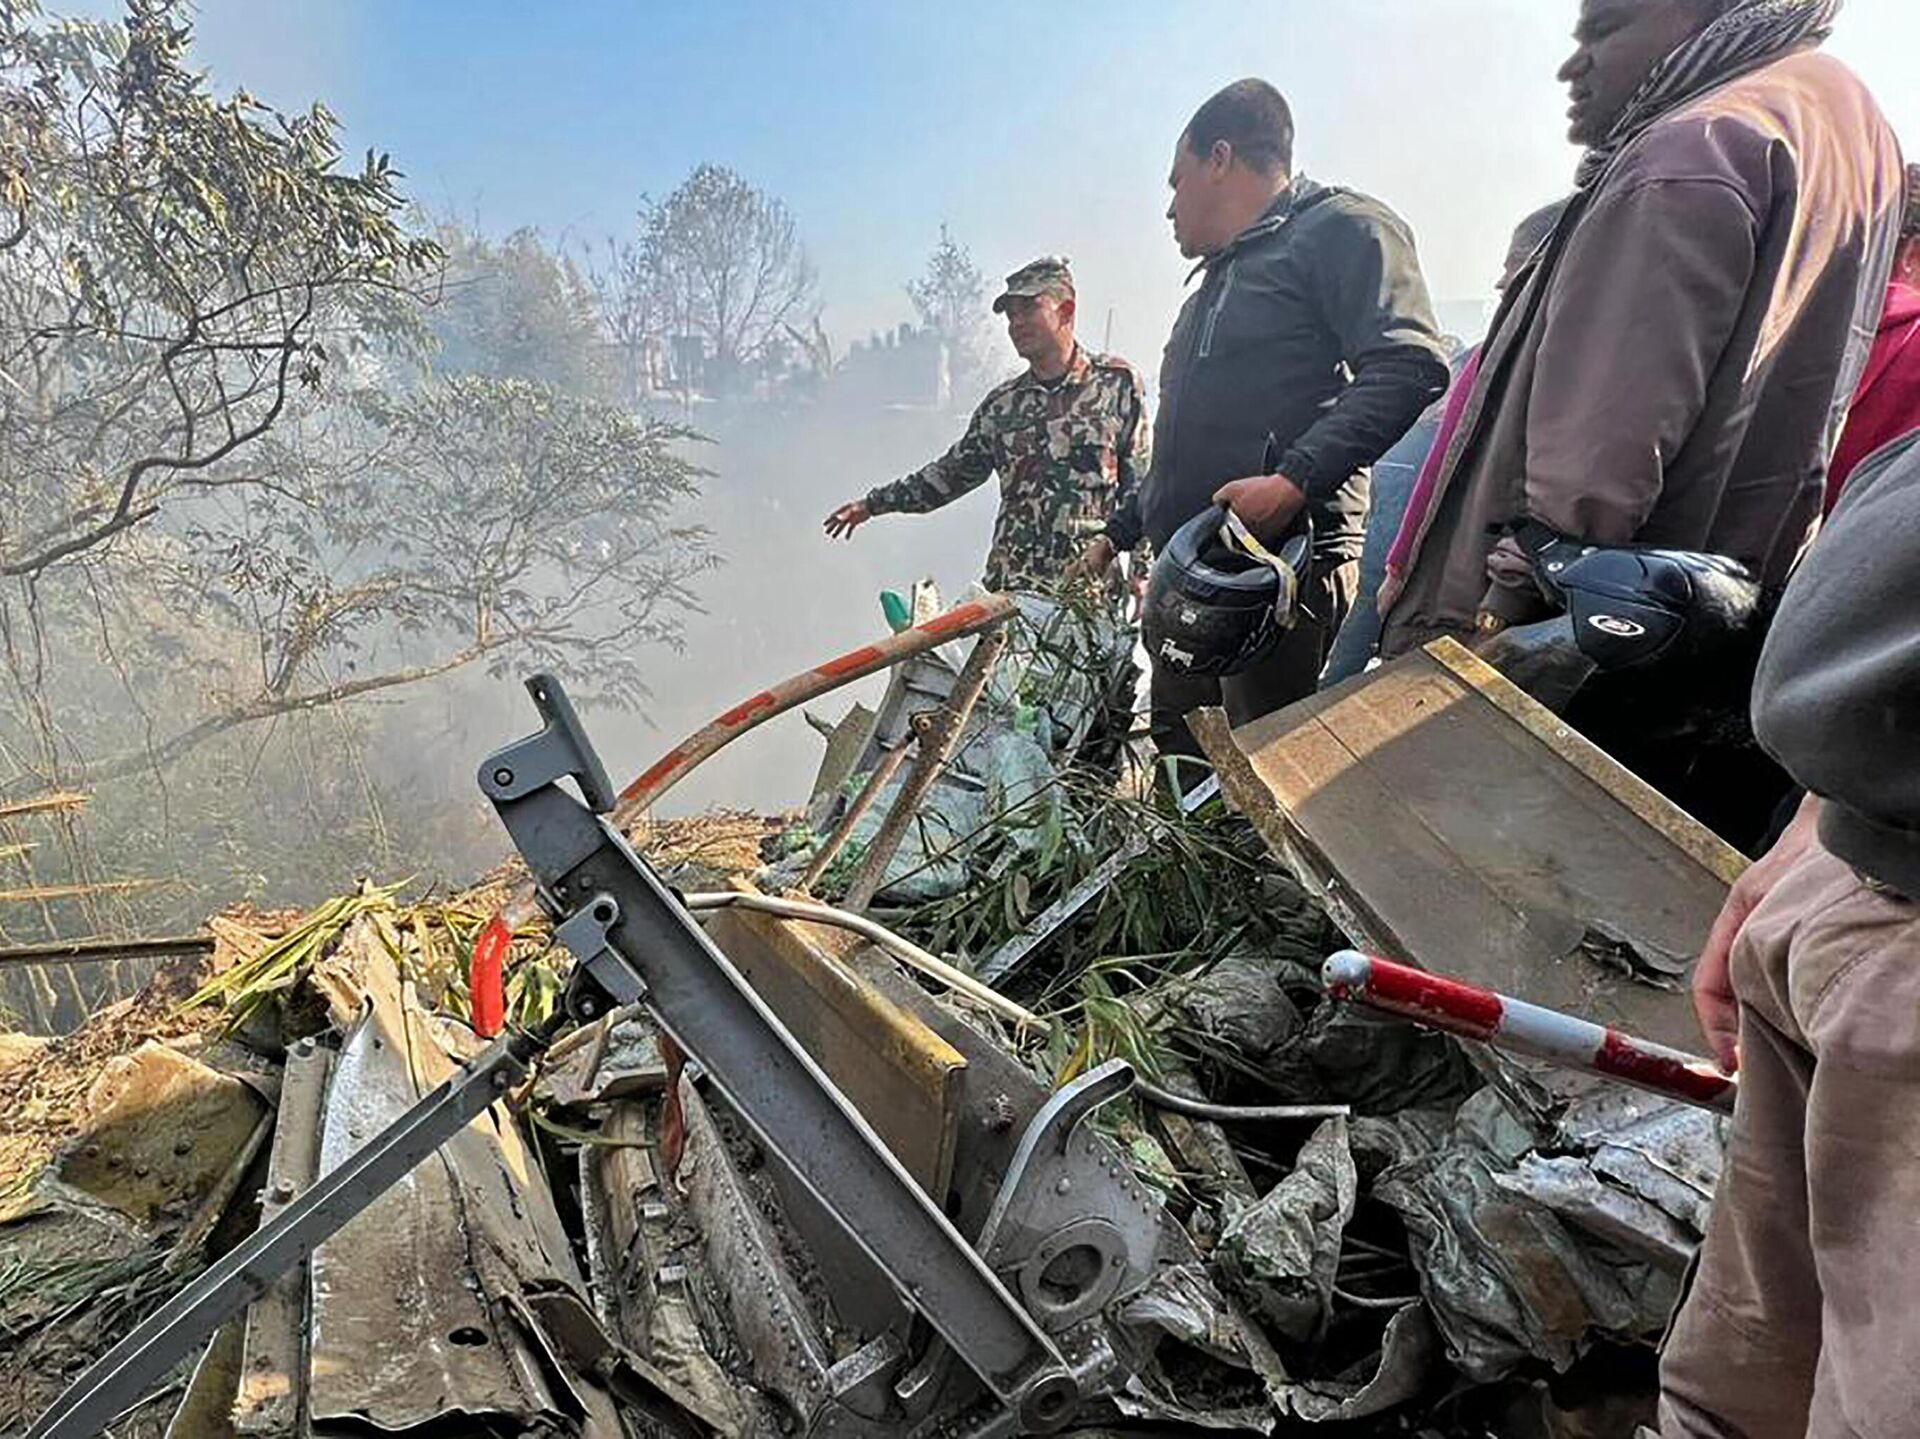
[1353,1221]
[1477,1243]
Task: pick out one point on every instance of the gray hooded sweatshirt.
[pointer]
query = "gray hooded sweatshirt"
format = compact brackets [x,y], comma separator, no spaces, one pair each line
[1837,698]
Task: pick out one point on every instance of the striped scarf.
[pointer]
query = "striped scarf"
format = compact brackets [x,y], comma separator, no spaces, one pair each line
[1747,36]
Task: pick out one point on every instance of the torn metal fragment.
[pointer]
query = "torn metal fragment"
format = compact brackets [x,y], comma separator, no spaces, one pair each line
[1282,1251]
[1409,1354]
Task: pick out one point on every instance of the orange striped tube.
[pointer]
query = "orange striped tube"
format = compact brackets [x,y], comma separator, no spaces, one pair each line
[672,767]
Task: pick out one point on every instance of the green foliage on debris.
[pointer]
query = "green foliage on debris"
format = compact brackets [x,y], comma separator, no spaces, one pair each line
[33,1290]
[286,961]
[1200,888]
[1101,1024]
[430,941]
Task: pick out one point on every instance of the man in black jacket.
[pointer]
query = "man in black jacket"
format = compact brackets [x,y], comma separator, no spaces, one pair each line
[1312,325]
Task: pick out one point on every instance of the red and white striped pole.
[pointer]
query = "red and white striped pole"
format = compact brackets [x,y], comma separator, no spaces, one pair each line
[1514,1025]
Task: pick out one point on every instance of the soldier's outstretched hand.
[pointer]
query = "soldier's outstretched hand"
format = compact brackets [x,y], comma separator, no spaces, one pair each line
[849,517]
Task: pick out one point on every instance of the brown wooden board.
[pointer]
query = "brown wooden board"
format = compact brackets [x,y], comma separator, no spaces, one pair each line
[902,1077]
[1453,823]
[905,1080]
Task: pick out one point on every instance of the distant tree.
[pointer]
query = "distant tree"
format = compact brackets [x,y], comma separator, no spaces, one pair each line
[519,309]
[720,261]
[174,268]
[627,307]
[814,347]
[252,476]
[950,297]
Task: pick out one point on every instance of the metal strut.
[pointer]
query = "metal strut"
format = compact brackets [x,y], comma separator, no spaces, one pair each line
[636,942]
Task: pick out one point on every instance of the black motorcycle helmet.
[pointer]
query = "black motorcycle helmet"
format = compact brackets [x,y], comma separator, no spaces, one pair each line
[1633,607]
[1218,599]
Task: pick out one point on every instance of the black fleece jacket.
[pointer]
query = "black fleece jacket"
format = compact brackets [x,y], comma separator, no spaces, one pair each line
[1314,326]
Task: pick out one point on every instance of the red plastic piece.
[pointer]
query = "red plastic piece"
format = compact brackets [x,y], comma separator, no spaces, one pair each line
[487,979]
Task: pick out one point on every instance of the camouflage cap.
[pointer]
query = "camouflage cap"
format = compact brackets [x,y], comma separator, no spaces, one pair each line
[1047,275]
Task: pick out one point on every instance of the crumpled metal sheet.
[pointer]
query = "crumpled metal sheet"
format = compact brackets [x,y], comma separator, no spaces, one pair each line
[1239,1002]
[1282,1251]
[1209,1414]
[1500,1129]
[1379,1064]
[1667,1153]
[1569,1186]
[1531,1235]
[1409,1353]
[410,1329]
[1506,1278]
[1182,1303]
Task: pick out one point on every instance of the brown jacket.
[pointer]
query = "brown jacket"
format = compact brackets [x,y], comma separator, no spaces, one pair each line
[1674,368]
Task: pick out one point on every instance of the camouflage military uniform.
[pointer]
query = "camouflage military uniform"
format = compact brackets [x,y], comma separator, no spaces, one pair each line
[1069,453]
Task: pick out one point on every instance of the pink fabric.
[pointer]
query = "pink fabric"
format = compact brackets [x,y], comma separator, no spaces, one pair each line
[1418,502]
[1887,404]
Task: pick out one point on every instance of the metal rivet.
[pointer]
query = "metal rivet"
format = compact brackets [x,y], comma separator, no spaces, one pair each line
[503,776]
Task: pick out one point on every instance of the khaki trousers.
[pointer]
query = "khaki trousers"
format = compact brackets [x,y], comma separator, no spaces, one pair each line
[1804,1316]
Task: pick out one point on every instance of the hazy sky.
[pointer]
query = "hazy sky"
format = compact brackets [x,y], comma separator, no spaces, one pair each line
[1029,129]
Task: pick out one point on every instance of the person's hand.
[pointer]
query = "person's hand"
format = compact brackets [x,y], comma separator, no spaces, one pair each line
[1094,561]
[849,517]
[1509,566]
[1713,1000]
[1266,504]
